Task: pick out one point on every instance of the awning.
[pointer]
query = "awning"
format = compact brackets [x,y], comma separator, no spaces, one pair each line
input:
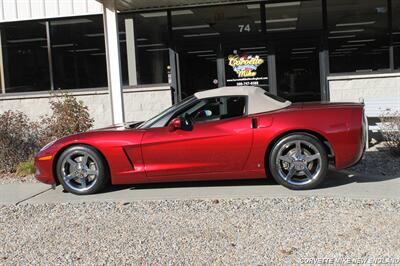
[132,5]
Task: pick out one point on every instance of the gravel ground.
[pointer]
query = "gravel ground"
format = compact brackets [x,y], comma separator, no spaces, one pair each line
[11,178]
[378,162]
[200,232]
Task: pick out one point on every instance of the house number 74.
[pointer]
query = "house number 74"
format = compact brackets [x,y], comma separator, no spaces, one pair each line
[245,27]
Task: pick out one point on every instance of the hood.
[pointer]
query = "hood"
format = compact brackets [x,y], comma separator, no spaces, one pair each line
[121,126]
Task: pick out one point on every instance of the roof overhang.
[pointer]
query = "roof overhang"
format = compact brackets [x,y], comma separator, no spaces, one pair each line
[135,5]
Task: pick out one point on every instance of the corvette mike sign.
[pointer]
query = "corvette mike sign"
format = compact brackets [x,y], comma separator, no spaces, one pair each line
[245,70]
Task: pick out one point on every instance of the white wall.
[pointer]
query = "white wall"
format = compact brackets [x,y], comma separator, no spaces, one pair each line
[13,10]
[379,91]
[140,104]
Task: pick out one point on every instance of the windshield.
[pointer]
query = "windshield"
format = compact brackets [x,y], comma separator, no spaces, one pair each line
[164,115]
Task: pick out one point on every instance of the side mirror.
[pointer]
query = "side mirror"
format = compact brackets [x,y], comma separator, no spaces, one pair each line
[175,124]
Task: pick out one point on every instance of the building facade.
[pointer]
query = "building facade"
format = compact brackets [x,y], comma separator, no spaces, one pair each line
[310,50]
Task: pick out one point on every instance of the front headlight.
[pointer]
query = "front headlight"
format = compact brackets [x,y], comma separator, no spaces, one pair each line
[47,145]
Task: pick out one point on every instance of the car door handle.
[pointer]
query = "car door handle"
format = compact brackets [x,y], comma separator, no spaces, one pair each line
[261,122]
[254,122]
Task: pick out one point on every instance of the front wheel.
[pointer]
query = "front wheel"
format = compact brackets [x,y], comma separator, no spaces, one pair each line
[298,161]
[81,170]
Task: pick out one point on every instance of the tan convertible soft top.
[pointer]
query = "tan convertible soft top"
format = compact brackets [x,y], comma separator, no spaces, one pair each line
[258,101]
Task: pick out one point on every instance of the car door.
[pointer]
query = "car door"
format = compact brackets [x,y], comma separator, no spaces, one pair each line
[217,143]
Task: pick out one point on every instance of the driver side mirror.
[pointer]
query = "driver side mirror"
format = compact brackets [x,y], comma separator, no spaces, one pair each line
[183,123]
[175,124]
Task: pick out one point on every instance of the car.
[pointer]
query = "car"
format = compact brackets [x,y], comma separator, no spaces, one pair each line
[220,134]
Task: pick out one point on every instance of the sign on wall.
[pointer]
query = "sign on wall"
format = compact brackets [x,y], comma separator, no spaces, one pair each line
[246,70]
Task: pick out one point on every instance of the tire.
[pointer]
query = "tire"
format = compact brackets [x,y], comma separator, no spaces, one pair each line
[294,170]
[82,170]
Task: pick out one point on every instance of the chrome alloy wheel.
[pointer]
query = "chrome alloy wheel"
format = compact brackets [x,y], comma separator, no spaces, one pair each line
[79,171]
[298,162]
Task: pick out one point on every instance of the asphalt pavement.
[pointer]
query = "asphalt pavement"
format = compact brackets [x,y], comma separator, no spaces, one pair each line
[337,184]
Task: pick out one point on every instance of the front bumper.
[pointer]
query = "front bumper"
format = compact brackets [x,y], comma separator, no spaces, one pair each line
[44,168]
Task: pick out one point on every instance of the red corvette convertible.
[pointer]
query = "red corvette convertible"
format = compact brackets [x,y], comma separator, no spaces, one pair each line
[225,133]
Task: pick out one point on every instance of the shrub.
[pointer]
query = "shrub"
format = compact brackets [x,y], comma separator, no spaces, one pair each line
[25,168]
[69,116]
[18,139]
[390,128]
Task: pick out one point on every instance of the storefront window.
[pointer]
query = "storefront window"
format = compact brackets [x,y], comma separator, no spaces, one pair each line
[78,53]
[293,16]
[396,32]
[295,28]
[223,32]
[358,39]
[144,48]
[25,60]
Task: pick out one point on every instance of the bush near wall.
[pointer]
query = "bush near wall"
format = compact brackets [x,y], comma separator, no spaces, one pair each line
[18,139]
[69,116]
[21,138]
[390,126]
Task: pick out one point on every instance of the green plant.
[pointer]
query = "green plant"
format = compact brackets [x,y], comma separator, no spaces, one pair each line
[25,168]
[390,127]
[69,116]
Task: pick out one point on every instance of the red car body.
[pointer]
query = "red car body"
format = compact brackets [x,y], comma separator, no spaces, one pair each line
[235,148]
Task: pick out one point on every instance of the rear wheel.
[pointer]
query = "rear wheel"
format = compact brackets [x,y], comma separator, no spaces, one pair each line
[298,161]
[81,170]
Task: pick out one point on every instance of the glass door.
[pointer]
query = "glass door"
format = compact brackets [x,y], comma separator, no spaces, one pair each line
[297,70]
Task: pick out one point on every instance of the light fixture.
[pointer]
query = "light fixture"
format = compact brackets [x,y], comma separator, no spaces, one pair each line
[346,31]
[279,20]
[141,39]
[62,45]
[200,52]
[253,6]
[154,14]
[366,40]
[396,32]
[356,23]
[99,34]
[206,55]
[341,37]
[201,34]
[164,13]
[70,21]
[346,49]
[26,40]
[284,4]
[253,48]
[150,45]
[156,49]
[354,45]
[98,54]
[303,52]
[202,26]
[304,48]
[282,29]
[257,6]
[94,34]
[84,50]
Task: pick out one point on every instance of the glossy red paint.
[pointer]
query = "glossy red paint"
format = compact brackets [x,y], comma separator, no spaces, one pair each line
[233,148]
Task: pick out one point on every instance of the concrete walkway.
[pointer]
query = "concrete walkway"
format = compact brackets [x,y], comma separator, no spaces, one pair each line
[338,184]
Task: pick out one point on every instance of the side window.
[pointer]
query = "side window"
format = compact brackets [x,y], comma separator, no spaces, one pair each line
[218,108]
